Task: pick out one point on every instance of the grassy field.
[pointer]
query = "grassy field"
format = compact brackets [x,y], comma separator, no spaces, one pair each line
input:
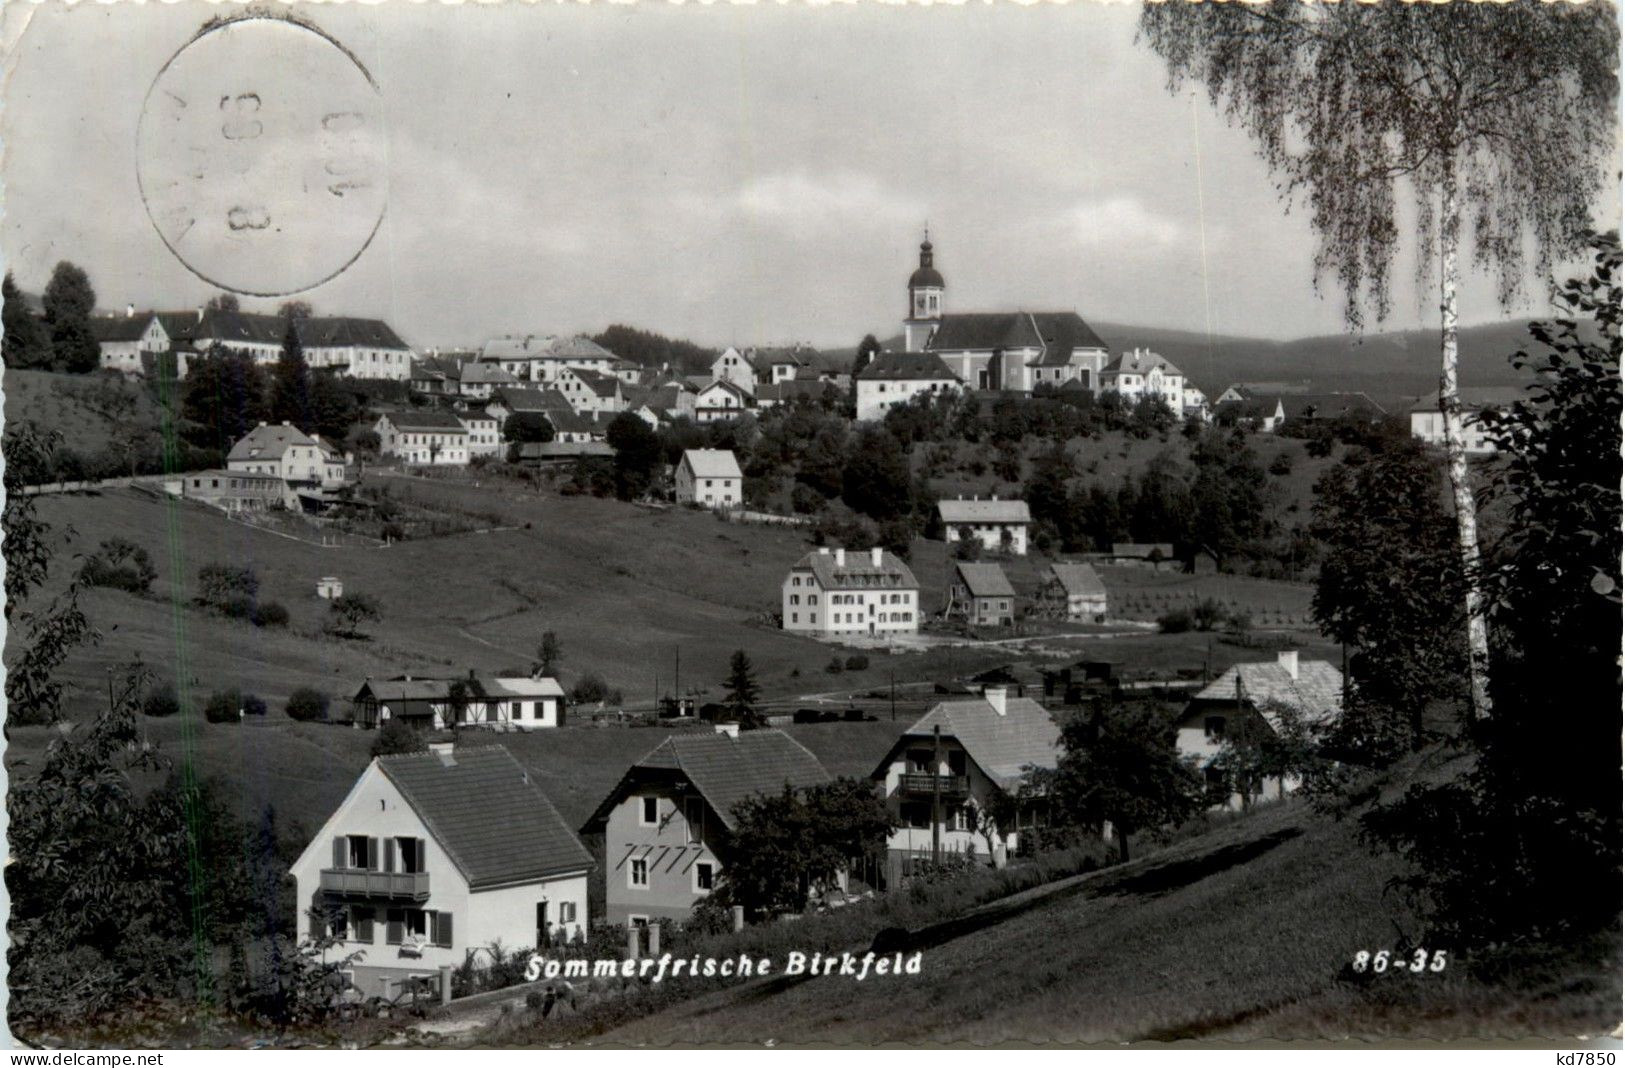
[1240,934]
[88,410]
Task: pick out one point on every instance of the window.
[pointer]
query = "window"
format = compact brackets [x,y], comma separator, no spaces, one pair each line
[361,853]
[795,617]
[417,925]
[705,877]
[567,912]
[637,874]
[916,815]
[694,818]
[1213,727]
[648,811]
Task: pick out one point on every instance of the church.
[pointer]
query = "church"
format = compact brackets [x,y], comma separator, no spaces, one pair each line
[1013,351]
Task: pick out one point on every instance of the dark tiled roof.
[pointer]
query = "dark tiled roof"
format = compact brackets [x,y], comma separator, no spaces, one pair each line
[1079,580]
[604,385]
[984,580]
[425,420]
[907,366]
[1330,406]
[315,332]
[120,327]
[486,812]
[1316,693]
[859,571]
[520,399]
[1057,333]
[1002,746]
[727,770]
[1475,398]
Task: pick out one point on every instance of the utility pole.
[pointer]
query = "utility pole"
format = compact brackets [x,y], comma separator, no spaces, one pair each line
[894,695]
[936,795]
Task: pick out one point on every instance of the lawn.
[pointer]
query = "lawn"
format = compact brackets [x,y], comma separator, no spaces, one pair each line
[87,410]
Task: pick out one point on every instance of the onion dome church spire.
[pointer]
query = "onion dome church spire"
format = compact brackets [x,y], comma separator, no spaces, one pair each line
[925,288]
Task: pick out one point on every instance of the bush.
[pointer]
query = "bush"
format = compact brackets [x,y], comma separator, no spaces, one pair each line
[223,706]
[272,614]
[1207,614]
[307,704]
[1281,465]
[1176,622]
[236,607]
[590,689]
[119,564]
[857,663]
[835,667]
[219,583]
[397,736]
[805,500]
[161,701]
[253,705]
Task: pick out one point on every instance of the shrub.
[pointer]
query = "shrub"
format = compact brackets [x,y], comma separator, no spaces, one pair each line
[1281,465]
[857,663]
[306,704]
[590,689]
[219,583]
[271,614]
[805,500]
[253,705]
[223,706]
[119,564]
[1176,622]
[236,607]
[1207,614]
[835,667]
[161,701]
[397,736]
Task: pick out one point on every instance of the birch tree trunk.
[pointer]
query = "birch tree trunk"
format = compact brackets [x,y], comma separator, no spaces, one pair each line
[1455,448]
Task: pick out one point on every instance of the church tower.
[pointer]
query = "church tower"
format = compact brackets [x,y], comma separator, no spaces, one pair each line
[924,301]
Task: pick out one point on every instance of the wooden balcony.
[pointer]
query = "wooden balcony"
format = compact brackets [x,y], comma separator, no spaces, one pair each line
[916,784]
[392,885]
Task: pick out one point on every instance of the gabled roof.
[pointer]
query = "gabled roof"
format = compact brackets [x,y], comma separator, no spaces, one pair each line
[266,442]
[859,571]
[341,331]
[602,384]
[1316,693]
[712,463]
[440,422]
[1140,362]
[474,415]
[529,399]
[485,374]
[984,580]
[544,347]
[1057,334]
[1251,407]
[1002,746]
[726,769]
[488,814]
[907,367]
[1330,406]
[1475,398]
[434,368]
[988,511]
[121,327]
[728,387]
[569,421]
[1143,550]
[1079,580]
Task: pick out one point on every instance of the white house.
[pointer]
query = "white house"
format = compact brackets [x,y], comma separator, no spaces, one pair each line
[282,450]
[734,366]
[590,391]
[1143,373]
[435,855]
[833,592]
[721,400]
[125,339]
[423,437]
[1000,525]
[710,477]
[1262,413]
[1252,697]
[1076,591]
[896,378]
[542,357]
[960,757]
[1427,421]
[503,702]
[484,432]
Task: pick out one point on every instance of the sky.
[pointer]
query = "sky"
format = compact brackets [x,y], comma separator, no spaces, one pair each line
[730,175]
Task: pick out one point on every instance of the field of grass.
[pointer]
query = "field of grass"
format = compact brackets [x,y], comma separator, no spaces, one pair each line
[88,410]
[1243,933]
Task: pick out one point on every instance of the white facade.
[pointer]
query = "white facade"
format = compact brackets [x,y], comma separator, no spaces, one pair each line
[709,477]
[124,356]
[1428,427]
[394,365]
[425,896]
[443,446]
[812,606]
[1142,373]
[721,400]
[733,366]
[878,396]
[484,433]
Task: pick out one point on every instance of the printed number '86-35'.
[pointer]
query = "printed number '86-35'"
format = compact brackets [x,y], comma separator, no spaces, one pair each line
[1420,960]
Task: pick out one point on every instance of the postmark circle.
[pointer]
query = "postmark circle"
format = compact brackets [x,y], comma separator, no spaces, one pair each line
[261,156]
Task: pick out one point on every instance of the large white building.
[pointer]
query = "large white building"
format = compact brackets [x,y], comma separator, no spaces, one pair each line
[423,437]
[434,856]
[288,453]
[1427,421]
[1143,373]
[893,379]
[357,348]
[836,592]
[709,477]
[999,525]
[543,357]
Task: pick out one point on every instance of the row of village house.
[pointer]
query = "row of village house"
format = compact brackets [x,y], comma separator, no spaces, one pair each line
[413,872]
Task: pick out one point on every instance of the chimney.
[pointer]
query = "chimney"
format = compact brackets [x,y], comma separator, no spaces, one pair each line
[200,315]
[443,750]
[823,550]
[875,555]
[840,557]
[996,696]
[129,311]
[995,496]
[1288,659]
[730,729]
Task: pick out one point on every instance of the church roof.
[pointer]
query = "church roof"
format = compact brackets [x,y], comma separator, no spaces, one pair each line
[907,366]
[926,274]
[1055,334]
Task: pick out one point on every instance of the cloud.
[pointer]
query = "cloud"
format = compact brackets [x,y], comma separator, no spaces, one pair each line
[1123,222]
[803,203]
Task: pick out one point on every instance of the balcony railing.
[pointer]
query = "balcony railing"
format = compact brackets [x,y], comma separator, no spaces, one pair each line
[917,784]
[355,882]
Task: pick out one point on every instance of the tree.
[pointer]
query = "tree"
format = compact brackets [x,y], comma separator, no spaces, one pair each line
[26,342]
[1275,742]
[876,481]
[548,655]
[397,736]
[221,584]
[290,400]
[54,630]
[527,427]
[1389,589]
[868,349]
[741,690]
[226,302]
[1119,766]
[120,564]
[69,304]
[346,614]
[223,398]
[1503,114]
[307,704]
[1526,844]
[295,309]
[333,408]
[637,454]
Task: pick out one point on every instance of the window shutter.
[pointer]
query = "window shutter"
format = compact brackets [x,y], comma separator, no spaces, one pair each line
[442,923]
[389,854]
[340,859]
[395,928]
[363,925]
[372,854]
[422,855]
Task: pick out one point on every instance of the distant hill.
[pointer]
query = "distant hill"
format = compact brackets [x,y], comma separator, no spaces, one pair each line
[1392,367]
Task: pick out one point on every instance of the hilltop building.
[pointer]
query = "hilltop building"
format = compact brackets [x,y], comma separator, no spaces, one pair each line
[1427,422]
[709,477]
[1000,526]
[502,702]
[893,379]
[423,437]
